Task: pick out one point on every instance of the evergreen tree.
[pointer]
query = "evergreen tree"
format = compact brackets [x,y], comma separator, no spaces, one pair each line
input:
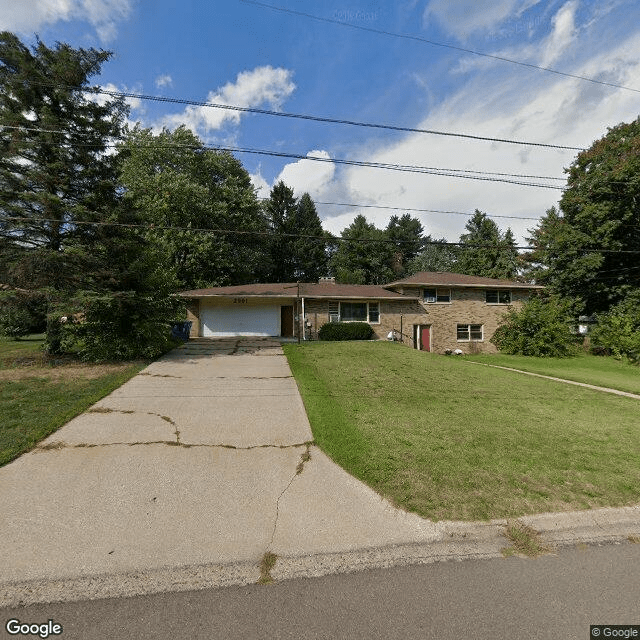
[54,173]
[406,234]
[364,256]
[310,256]
[485,251]
[282,211]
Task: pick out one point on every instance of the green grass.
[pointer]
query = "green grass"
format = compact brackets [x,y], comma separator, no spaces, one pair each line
[597,370]
[27,347]
[37,398]
[449,440]
[33,408]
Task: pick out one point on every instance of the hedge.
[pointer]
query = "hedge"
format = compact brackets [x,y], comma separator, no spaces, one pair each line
[345,331]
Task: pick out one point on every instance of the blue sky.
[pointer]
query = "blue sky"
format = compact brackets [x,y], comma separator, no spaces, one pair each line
[241,54]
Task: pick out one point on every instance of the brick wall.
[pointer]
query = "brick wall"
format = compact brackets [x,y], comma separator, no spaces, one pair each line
[467,306]
[193,314]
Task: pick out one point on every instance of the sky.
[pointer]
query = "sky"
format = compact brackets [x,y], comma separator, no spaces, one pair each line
[372,62]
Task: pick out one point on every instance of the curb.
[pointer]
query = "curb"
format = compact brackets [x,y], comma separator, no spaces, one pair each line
[458,541]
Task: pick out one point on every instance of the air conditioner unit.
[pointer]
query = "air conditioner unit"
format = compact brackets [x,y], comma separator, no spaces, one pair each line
[430,299]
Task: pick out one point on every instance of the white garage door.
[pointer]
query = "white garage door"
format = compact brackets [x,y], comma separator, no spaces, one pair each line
[221,322]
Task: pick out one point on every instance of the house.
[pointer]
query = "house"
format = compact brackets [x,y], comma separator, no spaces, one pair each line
[428,311]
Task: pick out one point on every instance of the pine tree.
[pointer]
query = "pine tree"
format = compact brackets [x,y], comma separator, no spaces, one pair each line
[310,256]
[282,209]
[406,234]
[485,251]
[364,256]
[54,172]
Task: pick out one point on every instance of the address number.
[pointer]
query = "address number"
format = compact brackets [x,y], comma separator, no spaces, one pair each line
[239,301]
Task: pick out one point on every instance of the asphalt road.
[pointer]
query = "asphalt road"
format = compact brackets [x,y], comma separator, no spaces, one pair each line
[554,596]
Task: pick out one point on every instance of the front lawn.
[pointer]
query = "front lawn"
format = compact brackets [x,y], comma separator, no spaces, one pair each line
[450,440]
[37,397]
[598,370]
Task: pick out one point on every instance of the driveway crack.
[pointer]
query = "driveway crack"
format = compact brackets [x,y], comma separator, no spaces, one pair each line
[304,458]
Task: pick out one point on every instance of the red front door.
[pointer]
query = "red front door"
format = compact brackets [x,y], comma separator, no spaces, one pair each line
[425,338]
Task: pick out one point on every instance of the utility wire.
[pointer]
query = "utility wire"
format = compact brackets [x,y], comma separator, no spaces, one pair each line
[328,240]
[436,44]
[452,173]
[303,116]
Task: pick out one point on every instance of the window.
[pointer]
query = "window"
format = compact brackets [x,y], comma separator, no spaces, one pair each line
[334,311]
[353,311]
[360,312]
[497,296]
[470,333]
[432,296]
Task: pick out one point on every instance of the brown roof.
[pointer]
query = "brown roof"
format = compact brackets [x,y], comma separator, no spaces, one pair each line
[446,278]
[290,290]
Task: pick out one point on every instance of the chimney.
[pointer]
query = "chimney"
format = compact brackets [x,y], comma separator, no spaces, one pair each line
[327,281]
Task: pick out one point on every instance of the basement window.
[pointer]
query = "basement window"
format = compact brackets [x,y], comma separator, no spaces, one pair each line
[470,333]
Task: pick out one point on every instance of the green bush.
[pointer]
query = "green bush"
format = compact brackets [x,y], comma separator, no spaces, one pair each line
[618,330]
[542,327]
[121,326]
[345,331]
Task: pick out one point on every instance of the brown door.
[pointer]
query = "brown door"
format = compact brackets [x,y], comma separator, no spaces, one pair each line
[286,322]
[425,338]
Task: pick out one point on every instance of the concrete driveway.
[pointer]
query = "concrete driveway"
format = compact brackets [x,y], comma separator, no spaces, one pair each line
[185,477]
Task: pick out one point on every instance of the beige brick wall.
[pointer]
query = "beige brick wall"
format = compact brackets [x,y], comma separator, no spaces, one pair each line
[193,314]
[467,306]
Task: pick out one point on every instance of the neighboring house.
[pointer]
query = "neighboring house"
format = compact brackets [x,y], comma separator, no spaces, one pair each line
[428,311]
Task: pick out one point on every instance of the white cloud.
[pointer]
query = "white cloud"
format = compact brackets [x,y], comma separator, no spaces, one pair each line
[260,86]
[308,176]
[462,17]
[260,184]
[563,34]
[164,80]
[519,106]
[27,17]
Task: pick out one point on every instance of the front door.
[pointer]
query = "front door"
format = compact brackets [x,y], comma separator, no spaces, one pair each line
[425,338]
[286,321]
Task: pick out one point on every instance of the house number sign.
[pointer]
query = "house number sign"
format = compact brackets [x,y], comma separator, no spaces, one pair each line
[239,301]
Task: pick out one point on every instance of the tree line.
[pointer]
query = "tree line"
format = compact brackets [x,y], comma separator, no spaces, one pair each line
[101,223]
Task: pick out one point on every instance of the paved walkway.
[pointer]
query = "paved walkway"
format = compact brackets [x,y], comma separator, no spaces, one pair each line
[579,384]
[188,474]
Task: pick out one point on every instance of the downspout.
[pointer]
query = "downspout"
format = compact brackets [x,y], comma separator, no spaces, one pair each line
[304,325]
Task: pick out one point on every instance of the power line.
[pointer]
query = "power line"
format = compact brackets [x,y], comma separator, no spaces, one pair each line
[452,173]
[325,239]
[469,174]
[407,209]
[304,116]
[437,44]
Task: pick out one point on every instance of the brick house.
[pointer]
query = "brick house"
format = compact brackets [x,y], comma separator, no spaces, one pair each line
[428,311]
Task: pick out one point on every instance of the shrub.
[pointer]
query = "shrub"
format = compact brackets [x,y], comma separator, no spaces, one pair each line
[121,326]
[345,331]
[618,330]
[542,327]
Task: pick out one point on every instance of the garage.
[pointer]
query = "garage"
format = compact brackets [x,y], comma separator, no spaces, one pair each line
[235,320]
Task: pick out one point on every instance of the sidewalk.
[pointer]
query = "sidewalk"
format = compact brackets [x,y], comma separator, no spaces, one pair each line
[187,475]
